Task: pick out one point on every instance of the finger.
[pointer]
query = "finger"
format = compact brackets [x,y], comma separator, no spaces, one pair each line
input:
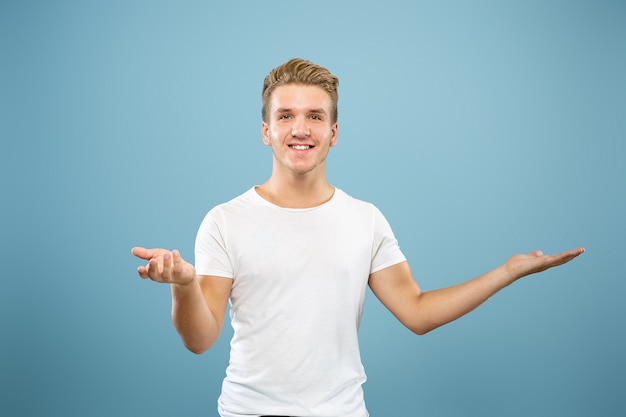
[575,253]
[166,267]
[142,253]
[154,267]
[177,262]
[572,253]
[564,257]
[143,272]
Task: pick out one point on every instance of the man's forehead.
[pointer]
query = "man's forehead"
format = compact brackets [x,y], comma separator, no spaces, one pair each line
[301,96]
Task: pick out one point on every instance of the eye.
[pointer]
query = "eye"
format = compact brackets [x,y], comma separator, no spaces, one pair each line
[284,117]
[315,117]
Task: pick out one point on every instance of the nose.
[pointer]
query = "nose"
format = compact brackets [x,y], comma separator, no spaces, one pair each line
[300,128]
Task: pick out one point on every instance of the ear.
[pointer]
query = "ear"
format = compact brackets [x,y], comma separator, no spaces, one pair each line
[265,133]
[333,139]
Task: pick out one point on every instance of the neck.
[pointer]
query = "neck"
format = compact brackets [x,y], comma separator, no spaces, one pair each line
[296,191]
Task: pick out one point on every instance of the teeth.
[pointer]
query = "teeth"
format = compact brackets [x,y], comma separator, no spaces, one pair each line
[300,147]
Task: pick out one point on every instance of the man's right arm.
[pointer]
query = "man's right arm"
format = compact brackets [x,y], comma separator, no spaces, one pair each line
[198,310]
[198,302]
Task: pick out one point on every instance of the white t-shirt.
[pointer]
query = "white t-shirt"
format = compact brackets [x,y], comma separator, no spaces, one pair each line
[299,282]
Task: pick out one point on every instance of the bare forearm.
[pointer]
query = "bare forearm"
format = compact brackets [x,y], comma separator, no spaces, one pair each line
[192,317]
[438,307]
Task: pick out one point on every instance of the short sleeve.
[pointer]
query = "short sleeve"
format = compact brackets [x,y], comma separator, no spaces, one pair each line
[211,256]
[385,250]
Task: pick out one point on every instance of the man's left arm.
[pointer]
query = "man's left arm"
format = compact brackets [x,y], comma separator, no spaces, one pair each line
[423,311]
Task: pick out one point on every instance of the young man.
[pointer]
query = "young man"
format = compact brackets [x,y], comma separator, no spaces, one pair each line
[294,257]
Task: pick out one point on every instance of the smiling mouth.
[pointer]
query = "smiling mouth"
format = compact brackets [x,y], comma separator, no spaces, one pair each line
[301,147]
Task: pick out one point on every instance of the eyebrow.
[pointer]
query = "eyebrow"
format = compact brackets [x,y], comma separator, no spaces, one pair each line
[316,111]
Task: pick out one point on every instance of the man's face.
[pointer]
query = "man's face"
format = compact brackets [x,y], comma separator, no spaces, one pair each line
[299,128]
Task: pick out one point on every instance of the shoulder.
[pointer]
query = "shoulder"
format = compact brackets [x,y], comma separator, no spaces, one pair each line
[245,200]
[354,203]
[346,198]
[234,207]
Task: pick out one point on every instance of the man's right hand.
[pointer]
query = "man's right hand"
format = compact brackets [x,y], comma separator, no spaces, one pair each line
[164,266]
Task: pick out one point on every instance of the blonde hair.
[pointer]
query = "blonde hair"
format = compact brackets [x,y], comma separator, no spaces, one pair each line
[300,71]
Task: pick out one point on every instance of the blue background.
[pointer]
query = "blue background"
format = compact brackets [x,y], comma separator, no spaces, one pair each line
[481,129]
